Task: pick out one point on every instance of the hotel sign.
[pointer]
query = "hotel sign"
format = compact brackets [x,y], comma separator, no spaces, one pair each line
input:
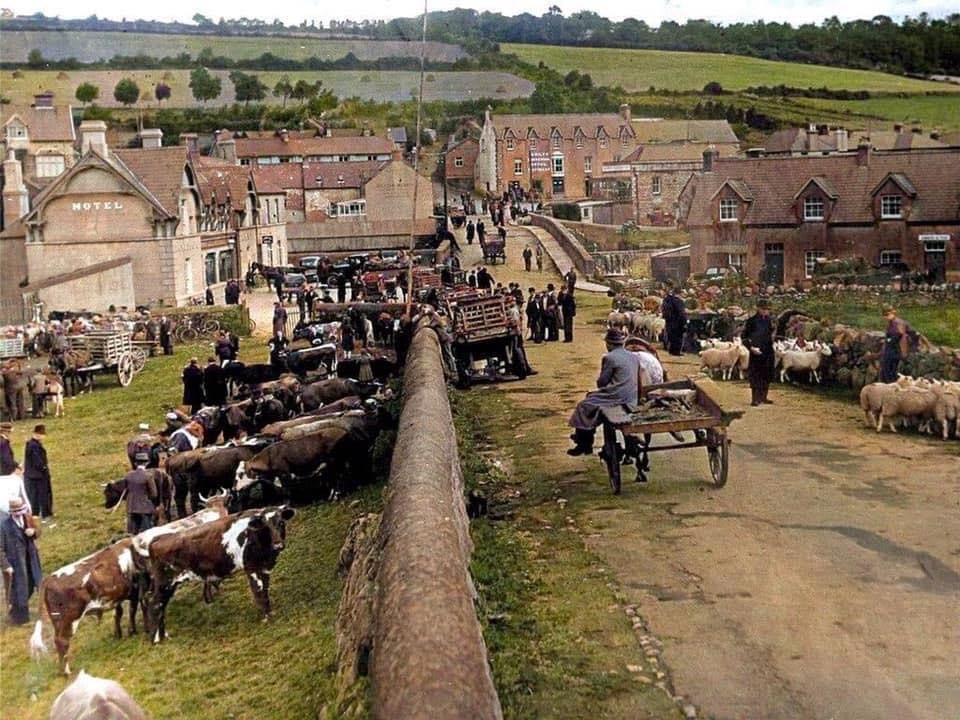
[97,206]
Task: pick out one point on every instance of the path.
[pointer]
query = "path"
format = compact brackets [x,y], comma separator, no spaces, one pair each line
[822,582]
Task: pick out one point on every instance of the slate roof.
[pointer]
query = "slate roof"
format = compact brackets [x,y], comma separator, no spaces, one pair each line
[662,131]
[218,178]
[567,123]
[317,175]
[159,170]
[307,145]
[773,183]
[53,124]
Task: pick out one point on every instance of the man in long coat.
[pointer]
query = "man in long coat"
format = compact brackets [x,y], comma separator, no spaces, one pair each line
[675,318]
[36,474]
[616,385]
[21,561]
[757,337]
[193,386]
[214,384]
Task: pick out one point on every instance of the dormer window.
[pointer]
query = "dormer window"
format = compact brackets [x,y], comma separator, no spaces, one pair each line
[728,210]
[16,130]
[891,207]
[603,140]
[510,143]
[556,139]
[578,138]
[813,209]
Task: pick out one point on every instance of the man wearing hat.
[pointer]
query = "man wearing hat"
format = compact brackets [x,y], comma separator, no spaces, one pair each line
[36,474]
[616,385]
[142,496]
[896,345]
[193,386]
[757,337]
[8,462]
[139,444]
[674,314]
[21,561]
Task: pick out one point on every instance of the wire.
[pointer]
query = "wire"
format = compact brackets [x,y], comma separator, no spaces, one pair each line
[416,165]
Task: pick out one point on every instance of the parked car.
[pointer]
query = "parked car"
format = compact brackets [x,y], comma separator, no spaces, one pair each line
[716,273]
[294,282]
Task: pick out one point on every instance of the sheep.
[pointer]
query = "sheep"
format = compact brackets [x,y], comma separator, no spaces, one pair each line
[647,326]
[93,698]
[871,397]
[724,360]
[946,408]
[617,320]
[808,360]
[908,403]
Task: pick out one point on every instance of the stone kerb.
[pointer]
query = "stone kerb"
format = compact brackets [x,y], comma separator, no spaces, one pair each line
[581,259]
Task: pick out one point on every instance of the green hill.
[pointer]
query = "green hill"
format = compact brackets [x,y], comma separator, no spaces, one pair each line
[638,70]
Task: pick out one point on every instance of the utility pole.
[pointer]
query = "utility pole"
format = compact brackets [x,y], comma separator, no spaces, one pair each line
[443,161]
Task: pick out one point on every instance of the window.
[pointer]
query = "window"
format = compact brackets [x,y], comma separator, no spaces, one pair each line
[268,160]
[458,162]
[813,209]
[890,257]
[579,140]
[891,206]
[728,210]
[736,260]
[16,130]
[210,268]
[588,165]
[344,158]
[556,138]
[656,185]
[558,164]
[603,141]
[49,165]
[558,185]
[810,258]
[518,167]
[225,265]
[349,208]
[510,143]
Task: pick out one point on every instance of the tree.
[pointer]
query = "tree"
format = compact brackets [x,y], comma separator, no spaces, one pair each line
[87,93]
[304,90]
[35,59]
[202,20]
[283,89]
[247,87]
[162,92]
[204,85]
[126,92]
[713,88]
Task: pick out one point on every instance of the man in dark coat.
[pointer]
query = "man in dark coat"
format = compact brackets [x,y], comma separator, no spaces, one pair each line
[534,316]
[214,384]
[36,474]
[527,258]
[21,560]
[166,338]
[193,386]
[208,295]
[481,232]
[616,385]
[896,345]
[279,319]
[757,337]
[470,232]
[675,318]
[8,462]
[571,279]
[568,307]
[142,496]
[223,348]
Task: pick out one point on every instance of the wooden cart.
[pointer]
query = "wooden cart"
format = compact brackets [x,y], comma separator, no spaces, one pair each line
[12,348]
[708,423]
[482,332]
[110,352]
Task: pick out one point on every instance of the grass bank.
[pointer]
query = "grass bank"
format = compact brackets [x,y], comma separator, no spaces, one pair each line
[220,661]
[559,641]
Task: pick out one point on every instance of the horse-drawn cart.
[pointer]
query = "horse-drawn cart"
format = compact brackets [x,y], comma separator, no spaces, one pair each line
[110,352]
[675,410]
[493,249]
[12,348]
[482,332]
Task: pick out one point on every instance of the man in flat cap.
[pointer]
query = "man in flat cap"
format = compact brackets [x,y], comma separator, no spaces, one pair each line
[757,337]
[616,385]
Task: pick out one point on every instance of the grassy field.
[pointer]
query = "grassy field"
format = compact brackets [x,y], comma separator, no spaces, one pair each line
[93,46]
[220,661]
[368,85]
[637,70]
[926,111]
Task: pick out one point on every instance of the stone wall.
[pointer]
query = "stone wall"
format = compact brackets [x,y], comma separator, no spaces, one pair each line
[407,615]
[571,246]
[93,288]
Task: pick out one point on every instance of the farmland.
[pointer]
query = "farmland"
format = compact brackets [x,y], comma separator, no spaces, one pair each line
[638,70]
[927,111]
[93,46]
[381,86]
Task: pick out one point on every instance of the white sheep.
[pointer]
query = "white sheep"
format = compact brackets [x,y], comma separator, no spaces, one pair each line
[808,360]
[871,397]
[909,403]
[724,360]
[946,408]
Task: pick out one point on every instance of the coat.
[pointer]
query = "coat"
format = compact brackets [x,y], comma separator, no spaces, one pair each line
[758,333]
[616,385]
[21,553]
[7,462]
[214,385]
[192,385]
[141,492]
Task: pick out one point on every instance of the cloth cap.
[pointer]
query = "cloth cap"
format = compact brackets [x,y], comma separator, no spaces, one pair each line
[614,337]
[887,309]
[40,430]
[15,503]
[763,303]
[143,426]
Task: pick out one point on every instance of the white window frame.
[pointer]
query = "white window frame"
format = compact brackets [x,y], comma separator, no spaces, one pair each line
[16,131]
[556,139]
[510,143]
[889,257]
[518,167]
[728,210]
[810,258]
[603,140]
[736,260]
[578,140]
[588,165]
[814,208]
[349,208]
[50,165]
[458,162]
[887,202]
[656,185]
[556,165]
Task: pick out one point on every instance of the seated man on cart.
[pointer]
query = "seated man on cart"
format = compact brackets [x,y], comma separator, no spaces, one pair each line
[616,385]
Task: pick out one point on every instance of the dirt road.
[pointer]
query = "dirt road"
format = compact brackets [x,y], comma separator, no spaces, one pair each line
[822,582]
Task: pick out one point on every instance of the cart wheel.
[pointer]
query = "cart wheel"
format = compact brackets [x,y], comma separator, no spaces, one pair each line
[187,334]
[610,456]
[125,368]
[139,359]
[719,458]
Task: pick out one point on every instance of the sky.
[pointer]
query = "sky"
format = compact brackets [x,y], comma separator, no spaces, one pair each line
[653,12]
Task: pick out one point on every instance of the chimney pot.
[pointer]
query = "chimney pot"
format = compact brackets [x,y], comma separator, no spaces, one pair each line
[93,136]
[151,138]
[863,154]
[710,156]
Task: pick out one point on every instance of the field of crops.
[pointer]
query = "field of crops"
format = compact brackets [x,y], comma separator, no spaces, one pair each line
[926,111]
[92,46]
[637,70]
[368,85]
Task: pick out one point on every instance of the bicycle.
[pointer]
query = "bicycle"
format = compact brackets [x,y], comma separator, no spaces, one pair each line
[190,328]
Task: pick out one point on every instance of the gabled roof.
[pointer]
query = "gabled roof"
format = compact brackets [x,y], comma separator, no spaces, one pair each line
[52,124]
[821,182]
[566,123]
[316,175]
[739,187]
[655,130]
[216,179]
[397,135]
[900,180]
[676,152]
[934,174]
[159,170]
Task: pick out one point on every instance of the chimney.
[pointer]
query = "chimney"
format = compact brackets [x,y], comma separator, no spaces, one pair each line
[284,135]
[151,138]
[863,154]
[93,136]
[625,112]
[43,100]
[16,201]
[897,127]
[396,154]
[710,156]
[842,141]
[189,140]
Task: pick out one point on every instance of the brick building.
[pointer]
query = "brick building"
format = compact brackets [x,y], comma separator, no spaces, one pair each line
[558,155]
[283,146]
[459,164]
[774,216]
[124,227]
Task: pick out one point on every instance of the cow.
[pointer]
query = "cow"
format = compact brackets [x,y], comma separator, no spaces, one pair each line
[325,392]
[207,470]
[237,373]
[113,493]
[351,402]
[100,581]
[94,698]
[250,541]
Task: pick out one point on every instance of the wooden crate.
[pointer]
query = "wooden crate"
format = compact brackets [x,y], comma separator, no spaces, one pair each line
[483,317]
[11,347]
[107,347]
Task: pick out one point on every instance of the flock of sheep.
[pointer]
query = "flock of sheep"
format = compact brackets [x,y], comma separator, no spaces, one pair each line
[925,404]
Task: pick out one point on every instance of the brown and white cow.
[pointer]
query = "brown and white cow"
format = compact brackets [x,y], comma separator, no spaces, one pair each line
[101,581]
[250,541]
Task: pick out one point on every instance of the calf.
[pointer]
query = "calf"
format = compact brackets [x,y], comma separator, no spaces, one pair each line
[250,541]
[93,698]
[98,582]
